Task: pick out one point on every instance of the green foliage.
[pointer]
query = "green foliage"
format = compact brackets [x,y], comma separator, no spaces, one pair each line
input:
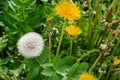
[33,72]
[94,51]
[76,70]
[58,67]
[3,42]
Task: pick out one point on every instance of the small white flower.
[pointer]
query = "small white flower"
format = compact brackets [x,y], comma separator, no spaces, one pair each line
[103,46]
[30,45]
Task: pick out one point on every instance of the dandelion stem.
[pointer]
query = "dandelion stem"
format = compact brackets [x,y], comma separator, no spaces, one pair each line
[50,45]
[99,76]
[61,38]
[71,47]
[94,64]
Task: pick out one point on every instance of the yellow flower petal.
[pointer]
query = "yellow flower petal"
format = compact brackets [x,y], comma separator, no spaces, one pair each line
[87,76]
[73,30]
[116,62]
[68,10]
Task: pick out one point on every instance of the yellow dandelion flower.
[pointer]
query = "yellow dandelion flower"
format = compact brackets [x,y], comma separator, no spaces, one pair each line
[87,76]
[68,10]
[116,62]
[73,30]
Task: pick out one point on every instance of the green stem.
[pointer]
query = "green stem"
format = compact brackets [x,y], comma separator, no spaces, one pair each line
[90,19]
[4,76]
[71,47]
[115,48]
[99,76]
[102,35]
[88,53]
[61,38]
[108,73]
[97,21]
[50,45]
[117,11]
[94,64]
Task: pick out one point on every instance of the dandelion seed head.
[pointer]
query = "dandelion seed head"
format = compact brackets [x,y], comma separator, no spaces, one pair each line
[30,45]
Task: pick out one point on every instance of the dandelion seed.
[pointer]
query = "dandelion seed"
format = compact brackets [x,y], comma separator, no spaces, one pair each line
[30,45]
[73,30]
[68,10]
[87,76]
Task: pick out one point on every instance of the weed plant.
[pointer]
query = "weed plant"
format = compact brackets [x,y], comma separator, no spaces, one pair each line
[80,40]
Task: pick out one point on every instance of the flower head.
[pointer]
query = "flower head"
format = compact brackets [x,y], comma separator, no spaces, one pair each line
[73,30]
[30,44]
[87,76]
[68,10]
[116,62]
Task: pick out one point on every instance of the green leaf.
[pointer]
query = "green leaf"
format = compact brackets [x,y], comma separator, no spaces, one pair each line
[18,70]
[56,77]
[46,64]
[31,63]
[15,17]
[4,61]
[43,56]
[4,69]
[24,1]
[44,0]
[59,67]
[11,5]
[72,70]
[32,74]
[77,69]
[1,23]
[58,63]
[69,60]
[48,71]
[3,42]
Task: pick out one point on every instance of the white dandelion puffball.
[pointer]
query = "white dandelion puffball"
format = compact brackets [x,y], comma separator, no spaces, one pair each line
[30,45]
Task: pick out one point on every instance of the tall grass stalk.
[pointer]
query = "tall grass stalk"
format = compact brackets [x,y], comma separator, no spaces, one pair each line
[90,22]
